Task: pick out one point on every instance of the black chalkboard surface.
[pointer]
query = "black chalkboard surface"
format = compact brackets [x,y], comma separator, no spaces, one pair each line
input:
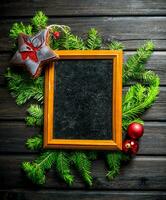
[83,99]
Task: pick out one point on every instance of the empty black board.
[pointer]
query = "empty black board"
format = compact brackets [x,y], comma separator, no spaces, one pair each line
[83,99]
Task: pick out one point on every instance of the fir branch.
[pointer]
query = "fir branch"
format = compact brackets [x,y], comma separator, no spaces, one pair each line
[72,41]
[134,66]
[115,45]
[83,164]
[24,88]
[35,115]
[39,21]
[18,28]
[113,160]
[94,40]
[36,170]
[139,98]
[34,143]
[63,167]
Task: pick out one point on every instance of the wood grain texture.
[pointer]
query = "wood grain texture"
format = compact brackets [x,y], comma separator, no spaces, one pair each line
[15,134]
[142,173]
[83,8]
[126,29]
[157,63]
[132,22]
[18,194]
[10,110]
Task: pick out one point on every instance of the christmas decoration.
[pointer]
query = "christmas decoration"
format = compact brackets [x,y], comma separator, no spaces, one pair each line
[130,146]
[135,130]
[33,52]
[56,34]
[137,99]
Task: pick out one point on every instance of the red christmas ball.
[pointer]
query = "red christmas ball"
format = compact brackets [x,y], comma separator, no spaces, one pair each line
[135,130]
[56,34]
[130,146]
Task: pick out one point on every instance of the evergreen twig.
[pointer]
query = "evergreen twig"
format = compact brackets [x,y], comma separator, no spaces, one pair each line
[134,66]
[24,88]
[18,28]
[63,167]
[94,40]
[71,41]
[114,160]
[36,170]
[83,164]
[115,45]
[35,115]
[34,143]
[39,21]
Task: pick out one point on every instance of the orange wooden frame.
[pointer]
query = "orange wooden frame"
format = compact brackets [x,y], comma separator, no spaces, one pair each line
[116,142]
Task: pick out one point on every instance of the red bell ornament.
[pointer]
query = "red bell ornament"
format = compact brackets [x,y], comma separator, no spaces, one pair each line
[130,146]
[135,130]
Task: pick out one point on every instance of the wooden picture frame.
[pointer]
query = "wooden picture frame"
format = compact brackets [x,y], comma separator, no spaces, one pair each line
[116,142]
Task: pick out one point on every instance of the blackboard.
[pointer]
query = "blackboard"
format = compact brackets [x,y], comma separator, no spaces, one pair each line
[83,99]
[83,93]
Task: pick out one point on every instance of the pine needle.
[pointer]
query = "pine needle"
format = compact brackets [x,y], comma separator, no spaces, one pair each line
[72,41]
[18,28]
[36,170]
[63,167]
[115,45]
[39,21]
[94,40]
[35,115]
[113,160]
[83,164]
[135,65]
[24,88]
[34,143]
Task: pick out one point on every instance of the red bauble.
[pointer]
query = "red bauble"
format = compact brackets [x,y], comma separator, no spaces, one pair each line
[56,34]
[135,130]
[130,146]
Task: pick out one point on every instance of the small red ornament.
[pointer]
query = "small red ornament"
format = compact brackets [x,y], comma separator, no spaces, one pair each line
[130,146]
[56,34]
[135,130]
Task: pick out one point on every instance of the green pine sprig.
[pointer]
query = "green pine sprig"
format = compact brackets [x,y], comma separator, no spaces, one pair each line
[35,116]
[135,65]
[94,40]
[63,167]
[24,88]
[71,41]
[83,165]
[114,160]
[115,45]
[39,21]
[139,98]
[35,142]
[18,28]
[37,169]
